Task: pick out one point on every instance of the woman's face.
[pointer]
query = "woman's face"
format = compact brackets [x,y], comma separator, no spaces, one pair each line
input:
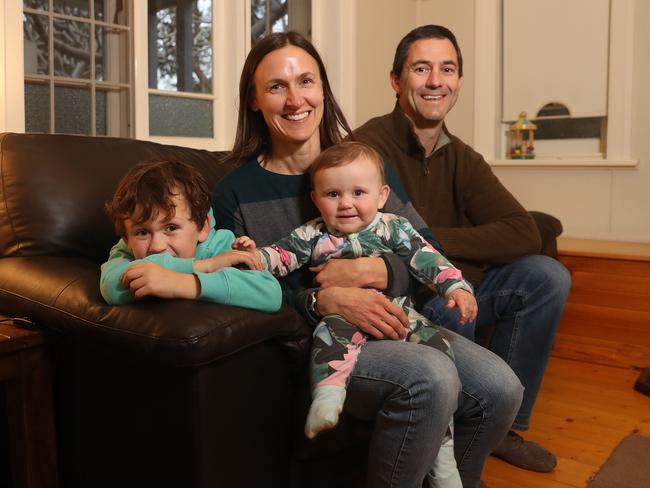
[289,93]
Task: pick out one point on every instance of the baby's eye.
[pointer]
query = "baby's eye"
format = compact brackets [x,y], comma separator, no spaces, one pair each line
[358,193]
[332,194]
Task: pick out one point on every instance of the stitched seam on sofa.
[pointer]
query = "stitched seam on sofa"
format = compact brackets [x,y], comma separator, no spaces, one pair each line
[4,192]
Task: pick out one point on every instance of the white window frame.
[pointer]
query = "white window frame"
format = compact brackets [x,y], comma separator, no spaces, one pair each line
[12,89]
[488,128]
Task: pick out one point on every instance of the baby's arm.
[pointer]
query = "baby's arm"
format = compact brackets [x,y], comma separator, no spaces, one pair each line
[291,252]
[465,302]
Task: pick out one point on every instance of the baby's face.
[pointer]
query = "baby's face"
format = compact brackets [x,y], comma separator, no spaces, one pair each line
[349,196]
[177,236]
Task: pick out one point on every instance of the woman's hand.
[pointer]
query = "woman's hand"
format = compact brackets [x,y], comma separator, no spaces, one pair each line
[368,310]
[249,260]
[354,273]
[466,304]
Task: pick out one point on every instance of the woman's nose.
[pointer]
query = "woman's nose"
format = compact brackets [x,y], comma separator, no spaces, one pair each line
[294,99]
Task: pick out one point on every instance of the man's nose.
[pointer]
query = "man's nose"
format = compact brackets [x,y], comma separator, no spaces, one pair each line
[434,78]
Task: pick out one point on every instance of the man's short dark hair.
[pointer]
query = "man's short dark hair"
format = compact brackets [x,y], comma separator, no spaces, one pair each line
[424,32]
[148,188]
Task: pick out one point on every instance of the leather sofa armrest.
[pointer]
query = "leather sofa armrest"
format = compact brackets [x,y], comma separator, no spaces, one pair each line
[549,229]
[62,293]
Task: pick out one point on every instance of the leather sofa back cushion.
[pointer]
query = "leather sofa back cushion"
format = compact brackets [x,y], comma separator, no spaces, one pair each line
[54,188]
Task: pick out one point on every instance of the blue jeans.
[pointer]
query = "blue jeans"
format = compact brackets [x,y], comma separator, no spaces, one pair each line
[410,391]
[524,300]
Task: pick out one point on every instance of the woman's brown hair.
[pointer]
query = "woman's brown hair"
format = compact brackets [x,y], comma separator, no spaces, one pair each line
[252,137]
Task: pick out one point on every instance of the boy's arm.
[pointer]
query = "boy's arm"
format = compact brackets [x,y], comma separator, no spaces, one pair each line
[120,259]
[425,262]
[258,290]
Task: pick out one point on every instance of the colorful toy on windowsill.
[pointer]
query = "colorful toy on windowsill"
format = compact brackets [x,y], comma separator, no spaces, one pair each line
[520,148]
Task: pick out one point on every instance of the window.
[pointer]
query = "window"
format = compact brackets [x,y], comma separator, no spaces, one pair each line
[181,95]
[280,16]
[613,147]
[76,67]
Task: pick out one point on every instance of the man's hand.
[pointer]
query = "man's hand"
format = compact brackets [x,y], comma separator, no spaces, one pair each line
[151,279]
[466,304]
[353,273]
[368,310]
[249,260]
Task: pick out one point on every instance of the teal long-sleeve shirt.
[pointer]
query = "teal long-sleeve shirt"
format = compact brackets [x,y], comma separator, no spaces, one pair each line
[258,290]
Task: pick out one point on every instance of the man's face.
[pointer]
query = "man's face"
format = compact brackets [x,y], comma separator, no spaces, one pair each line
[429,83]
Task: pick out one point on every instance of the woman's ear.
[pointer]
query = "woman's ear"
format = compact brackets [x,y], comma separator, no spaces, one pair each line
[253,103]
[383,196]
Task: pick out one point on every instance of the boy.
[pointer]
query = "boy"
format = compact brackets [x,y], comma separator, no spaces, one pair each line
[348,190]
[169,248]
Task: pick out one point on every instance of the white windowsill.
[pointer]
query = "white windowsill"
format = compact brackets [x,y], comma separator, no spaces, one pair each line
[566,162]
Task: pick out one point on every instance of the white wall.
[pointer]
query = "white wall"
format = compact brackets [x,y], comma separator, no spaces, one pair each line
[611,204]
[596,203]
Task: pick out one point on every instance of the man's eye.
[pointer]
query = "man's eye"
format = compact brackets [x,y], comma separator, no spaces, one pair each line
[422,70]
[449,69]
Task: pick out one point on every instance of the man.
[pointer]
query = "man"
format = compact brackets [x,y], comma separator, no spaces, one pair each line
[481,226]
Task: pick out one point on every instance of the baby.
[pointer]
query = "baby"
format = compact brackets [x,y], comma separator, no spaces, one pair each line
[348,188]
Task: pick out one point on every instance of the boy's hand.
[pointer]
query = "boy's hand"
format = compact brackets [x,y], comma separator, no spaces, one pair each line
[249,260]
[151,279]
[244,243]
[466,304]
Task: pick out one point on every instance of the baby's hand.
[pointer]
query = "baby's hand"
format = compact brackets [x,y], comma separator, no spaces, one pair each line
[244,243]
[244,259]
[466,304]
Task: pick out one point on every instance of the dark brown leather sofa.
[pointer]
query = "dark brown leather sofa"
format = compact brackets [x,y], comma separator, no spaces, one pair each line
[161,393]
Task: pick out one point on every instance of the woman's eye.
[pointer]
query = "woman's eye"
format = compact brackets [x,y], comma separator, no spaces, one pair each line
[307,82]
[275,88]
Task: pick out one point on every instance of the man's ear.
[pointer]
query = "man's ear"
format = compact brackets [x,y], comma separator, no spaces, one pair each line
[395,83]
[383,196]
[204,232]
[460,82]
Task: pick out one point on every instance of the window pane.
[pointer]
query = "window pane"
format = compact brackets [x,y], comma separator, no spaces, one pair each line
[71,49]
[107,11]
[35,32]
[78,8]
[71,110]
[109,65]
[280,16]
[37,4]
[112,113]
[37,108]
[180,45]
[174,116]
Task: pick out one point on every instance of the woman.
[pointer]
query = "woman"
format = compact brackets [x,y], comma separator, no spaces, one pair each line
[287,115]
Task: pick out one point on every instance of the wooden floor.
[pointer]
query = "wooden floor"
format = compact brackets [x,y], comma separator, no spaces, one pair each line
[587,403]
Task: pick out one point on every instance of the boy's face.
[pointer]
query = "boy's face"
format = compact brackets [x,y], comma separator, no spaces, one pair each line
[349,196]
[177,236]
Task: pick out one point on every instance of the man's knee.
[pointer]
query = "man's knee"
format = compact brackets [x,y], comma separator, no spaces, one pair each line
[546,272]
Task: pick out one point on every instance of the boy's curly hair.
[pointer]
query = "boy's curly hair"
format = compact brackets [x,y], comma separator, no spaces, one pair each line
[148,188]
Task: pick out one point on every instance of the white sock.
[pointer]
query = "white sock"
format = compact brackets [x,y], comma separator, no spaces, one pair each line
[444,468]
[325,409]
